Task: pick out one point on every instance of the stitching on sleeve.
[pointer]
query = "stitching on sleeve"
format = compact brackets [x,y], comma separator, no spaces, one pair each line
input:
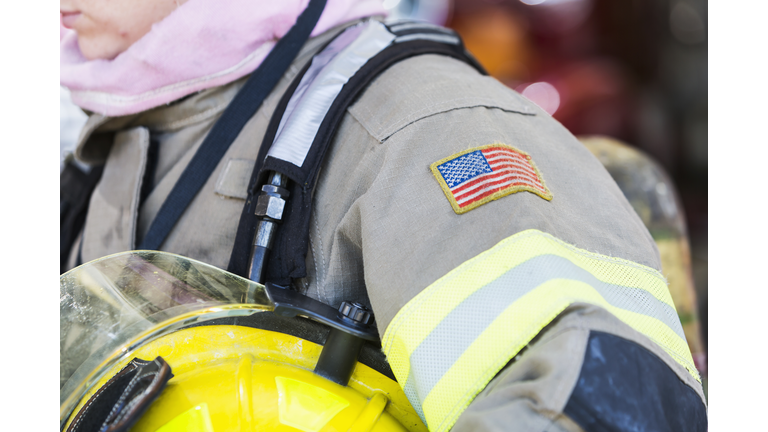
[429,112]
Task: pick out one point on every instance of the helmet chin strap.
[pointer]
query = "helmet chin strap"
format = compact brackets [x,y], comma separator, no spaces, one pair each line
[119,403]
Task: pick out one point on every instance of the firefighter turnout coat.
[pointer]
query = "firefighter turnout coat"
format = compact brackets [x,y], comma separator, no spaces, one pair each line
[514,287]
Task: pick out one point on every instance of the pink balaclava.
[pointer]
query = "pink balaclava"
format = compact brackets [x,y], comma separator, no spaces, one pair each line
[202,44]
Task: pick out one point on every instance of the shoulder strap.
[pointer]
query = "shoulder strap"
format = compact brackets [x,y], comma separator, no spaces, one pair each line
[305,122]
[228,127]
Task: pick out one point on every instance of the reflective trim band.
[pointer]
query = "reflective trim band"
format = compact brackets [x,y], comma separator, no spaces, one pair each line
[447,39]
[322,82]
[451,339]
[411,25]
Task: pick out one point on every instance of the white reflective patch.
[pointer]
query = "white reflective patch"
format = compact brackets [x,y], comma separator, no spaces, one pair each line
[317,90]
[446,39]
[410,25]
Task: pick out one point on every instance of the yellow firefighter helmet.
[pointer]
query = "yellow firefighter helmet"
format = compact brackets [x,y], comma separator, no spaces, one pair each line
[228,361]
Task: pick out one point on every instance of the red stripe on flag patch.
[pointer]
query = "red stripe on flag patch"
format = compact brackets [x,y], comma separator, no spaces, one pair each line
[479,175]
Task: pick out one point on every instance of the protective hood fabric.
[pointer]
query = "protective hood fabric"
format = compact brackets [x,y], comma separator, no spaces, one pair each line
[202,44]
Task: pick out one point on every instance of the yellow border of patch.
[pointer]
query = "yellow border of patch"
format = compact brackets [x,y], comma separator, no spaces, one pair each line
[502,193]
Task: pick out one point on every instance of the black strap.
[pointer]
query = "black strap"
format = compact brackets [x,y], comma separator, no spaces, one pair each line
[287,260]
[232,121]
[122,400]
[76,187]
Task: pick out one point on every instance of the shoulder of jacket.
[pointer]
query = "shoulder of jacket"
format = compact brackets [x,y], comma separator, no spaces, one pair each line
[427,85]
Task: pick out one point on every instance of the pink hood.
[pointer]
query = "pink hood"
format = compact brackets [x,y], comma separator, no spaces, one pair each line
[222,41]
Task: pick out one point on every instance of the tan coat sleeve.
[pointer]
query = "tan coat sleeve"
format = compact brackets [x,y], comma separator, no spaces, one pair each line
[382,221]
[378,201]
[531,392]
[382,229]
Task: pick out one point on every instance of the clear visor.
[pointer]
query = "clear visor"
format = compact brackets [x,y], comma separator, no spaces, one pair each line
[110,306]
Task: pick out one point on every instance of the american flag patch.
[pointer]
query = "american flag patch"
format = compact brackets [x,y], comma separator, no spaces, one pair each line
[482,174]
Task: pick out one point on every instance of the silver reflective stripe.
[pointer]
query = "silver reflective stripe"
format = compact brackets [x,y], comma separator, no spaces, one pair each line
[459,329]
[320,86]
[448,39]
[418,25]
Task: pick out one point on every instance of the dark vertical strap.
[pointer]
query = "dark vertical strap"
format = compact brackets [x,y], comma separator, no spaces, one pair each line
[76,188]
[228,127]
[79,258]
[121,401]
[148,182]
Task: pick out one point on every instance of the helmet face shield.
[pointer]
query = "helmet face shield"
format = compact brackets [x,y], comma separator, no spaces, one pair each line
[111,306]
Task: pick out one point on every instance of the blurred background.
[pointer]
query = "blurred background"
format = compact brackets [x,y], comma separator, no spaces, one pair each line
[633,70]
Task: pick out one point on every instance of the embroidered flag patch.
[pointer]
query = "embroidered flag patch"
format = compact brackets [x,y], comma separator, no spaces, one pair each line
[482,174]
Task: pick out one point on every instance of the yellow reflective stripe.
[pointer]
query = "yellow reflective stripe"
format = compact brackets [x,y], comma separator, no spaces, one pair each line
[662,335]
[483,360]
[487,355]
[486,267]
[451,339]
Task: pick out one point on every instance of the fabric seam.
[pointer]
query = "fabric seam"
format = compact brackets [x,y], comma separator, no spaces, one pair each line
[321,282]
[210,112]
[442,106]
[387,135]
[144,147]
